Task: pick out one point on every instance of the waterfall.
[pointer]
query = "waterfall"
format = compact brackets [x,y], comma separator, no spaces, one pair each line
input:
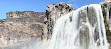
[80,29]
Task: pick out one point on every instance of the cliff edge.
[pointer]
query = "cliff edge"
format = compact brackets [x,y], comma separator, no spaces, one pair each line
[21,27]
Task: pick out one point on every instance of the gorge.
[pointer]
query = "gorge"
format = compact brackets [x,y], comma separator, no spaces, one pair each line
[61,27]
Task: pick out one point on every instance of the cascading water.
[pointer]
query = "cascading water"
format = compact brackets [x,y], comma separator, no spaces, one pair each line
[81,29]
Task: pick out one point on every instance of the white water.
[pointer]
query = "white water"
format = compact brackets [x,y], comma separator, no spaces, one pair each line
[71,32]
[75,31]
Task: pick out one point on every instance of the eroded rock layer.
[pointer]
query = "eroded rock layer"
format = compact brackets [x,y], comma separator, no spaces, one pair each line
[53,12]
[28,26]
[20,27]
[106,9]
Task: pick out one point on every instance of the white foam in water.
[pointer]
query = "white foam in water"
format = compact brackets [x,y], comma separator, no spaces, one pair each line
[66,33]
[75,31]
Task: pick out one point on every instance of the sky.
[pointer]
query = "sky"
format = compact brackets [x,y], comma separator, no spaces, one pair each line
[37,5]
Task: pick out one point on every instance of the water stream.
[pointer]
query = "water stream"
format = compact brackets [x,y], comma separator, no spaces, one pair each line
[81,29]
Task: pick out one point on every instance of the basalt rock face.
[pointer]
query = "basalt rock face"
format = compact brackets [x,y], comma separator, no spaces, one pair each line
[53,12]
[28,26]
[38,16]
[106,9]
[20,27]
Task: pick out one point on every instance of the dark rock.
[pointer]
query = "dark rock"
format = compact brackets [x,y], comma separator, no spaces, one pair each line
[53,12]
[106,9]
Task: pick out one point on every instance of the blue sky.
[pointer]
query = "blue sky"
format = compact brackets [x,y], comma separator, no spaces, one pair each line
[37,5]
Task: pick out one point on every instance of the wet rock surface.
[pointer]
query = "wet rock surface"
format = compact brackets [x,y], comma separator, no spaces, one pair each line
[23,27]
[88,22]
[106,9]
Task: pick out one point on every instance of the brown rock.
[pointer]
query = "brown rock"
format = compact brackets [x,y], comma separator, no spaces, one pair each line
[106,9]
[20,27]
[53,12]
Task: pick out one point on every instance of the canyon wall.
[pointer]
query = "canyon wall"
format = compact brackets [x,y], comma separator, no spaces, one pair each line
[53,12]
[106,10]
[20,27]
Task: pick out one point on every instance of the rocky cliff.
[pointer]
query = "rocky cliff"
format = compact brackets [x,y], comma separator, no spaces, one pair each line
[53,12]
[106,9]
[20,27]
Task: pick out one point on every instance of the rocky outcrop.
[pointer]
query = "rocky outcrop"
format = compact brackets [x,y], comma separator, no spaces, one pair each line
[37,16]
[53,12]
[20,27]
[108,0]
[106,9]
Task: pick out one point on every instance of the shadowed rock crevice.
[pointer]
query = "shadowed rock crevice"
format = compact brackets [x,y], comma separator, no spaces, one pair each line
[106,9]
